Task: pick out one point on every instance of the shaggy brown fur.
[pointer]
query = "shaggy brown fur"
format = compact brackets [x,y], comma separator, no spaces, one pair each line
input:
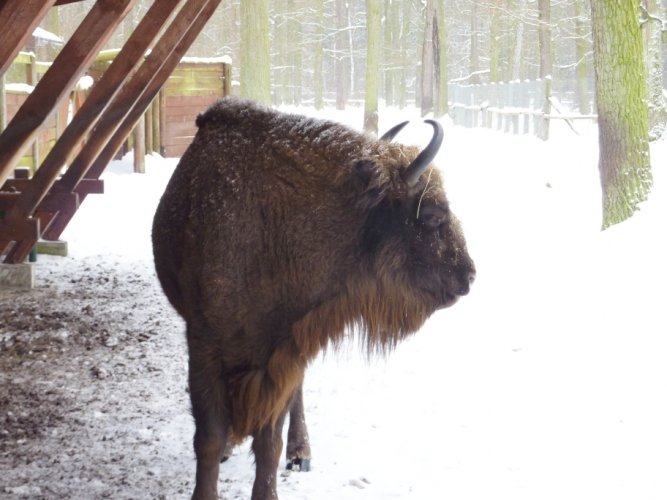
[277,233]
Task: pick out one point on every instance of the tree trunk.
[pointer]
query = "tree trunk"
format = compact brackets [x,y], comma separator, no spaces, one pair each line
[657,107]
[405,62]
[517,62]
[441,104]
[295,69]
[544,16]
[340,54]
[625,169]
[581,49]
[474,46]
[255,66]
[318,81]
[428,59]
[546,61]
[495,48]
[373,12]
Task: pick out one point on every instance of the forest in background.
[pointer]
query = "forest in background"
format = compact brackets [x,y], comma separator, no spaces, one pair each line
[406,52]
[319,49]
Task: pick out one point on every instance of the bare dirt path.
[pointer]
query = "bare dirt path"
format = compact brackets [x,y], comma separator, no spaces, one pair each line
[93,396]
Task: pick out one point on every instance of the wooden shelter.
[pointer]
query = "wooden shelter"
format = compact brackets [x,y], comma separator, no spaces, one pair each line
[41,207]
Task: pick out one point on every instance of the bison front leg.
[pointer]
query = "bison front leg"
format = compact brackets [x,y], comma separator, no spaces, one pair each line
[267,445]
[211,424]
[298,443]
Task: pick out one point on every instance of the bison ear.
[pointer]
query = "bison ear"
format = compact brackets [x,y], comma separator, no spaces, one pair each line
[367,183]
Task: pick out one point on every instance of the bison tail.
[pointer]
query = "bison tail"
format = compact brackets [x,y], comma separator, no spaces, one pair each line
[260,396]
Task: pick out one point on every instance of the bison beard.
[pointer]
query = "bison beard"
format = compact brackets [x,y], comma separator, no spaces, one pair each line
[278,233]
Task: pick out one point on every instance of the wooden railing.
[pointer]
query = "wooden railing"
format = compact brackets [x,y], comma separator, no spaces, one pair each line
[522,107]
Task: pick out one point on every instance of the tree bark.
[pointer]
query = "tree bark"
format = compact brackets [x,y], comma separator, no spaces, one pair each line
[318,81]
[546,60]
[657,107]
[474,45]
[340,46]
[625,169]
[255,63]
[373,8]
[581,49]
[428,59]
[441,104]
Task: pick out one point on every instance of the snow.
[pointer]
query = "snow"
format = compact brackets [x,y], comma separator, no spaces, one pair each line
[547,382]
[207,60]
[47,35]
[19,88]
[85,82]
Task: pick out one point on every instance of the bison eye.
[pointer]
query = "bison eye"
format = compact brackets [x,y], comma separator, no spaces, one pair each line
[433,216]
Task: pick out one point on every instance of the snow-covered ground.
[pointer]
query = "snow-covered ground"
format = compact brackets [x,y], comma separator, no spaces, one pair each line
[547,382]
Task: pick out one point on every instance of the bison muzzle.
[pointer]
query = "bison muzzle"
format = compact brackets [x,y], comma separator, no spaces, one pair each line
[276,234]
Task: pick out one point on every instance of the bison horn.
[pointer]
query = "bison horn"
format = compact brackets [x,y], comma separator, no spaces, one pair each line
[423,160]
[393,131]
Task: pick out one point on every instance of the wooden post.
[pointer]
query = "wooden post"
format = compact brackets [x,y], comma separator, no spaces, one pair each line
[162,97]
[226,79]
[3,104]
[31,70]
[148,119]
[155,119]
[140,146]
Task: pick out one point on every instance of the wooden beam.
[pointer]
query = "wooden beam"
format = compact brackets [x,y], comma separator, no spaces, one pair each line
[165,56]
[151,90]
[88,186]
[19,20]
[54,202]
[7,200]
[126,99]
[101,94]
[55,85]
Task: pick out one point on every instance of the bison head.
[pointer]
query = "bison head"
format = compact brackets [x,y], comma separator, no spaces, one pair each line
[411,247]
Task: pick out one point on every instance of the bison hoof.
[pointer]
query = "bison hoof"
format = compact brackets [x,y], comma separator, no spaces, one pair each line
[299,464]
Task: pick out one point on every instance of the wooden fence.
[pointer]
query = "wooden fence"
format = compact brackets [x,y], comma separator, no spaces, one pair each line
[522,107]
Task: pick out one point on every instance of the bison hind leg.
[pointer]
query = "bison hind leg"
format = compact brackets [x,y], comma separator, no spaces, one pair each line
[209,409]
[298,442]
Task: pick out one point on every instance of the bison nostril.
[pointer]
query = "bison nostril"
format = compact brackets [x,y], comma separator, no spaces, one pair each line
[466,280]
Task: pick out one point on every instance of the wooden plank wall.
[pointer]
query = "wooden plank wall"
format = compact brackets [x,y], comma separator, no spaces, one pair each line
[192,87]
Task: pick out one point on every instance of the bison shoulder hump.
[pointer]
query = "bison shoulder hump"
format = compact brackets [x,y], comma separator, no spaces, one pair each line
[231,110]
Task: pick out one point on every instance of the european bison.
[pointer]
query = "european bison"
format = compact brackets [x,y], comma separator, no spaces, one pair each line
[275,235]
